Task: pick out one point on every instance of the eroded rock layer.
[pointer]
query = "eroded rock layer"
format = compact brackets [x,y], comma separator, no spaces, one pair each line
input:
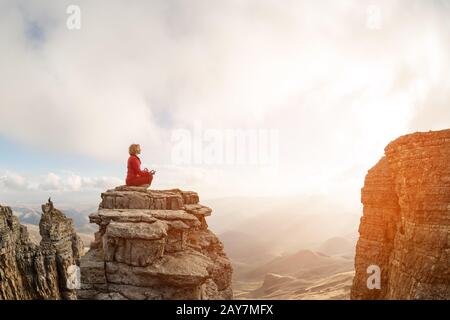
[29,271]
[405,228]
[154,244]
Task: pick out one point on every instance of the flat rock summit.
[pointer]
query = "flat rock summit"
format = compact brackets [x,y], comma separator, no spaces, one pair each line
[154,244]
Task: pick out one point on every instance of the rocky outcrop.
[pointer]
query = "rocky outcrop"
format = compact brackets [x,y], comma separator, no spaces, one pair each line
[154,245]
[30,271]
[405,228]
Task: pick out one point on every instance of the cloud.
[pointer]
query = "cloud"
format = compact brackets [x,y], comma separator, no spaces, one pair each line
[65,187]
[75,183]
[101,183]
[13,181]
[337,89]
[51,182]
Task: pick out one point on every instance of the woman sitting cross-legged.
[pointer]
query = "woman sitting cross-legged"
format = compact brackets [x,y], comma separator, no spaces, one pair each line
[136,176]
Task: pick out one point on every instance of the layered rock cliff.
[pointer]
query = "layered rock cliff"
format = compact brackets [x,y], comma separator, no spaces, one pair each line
[154,244]
[30,271]
[405,228]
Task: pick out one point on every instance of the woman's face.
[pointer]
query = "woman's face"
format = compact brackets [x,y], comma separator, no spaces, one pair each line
[138,150]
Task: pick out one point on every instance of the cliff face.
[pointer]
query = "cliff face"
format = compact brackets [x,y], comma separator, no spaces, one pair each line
[405,228]
[154,245]
[29,271]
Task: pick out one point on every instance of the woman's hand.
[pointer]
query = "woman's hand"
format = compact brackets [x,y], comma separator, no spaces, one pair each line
[145,169]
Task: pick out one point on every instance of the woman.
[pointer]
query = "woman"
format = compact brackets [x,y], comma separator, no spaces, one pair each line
[136,176]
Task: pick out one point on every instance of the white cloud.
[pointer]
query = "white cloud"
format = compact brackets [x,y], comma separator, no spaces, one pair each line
[101,183]
[13,181]
[337,90]
[75,183]
[51,182]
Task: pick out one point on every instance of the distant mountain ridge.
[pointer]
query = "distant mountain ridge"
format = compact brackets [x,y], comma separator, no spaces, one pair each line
[303,275]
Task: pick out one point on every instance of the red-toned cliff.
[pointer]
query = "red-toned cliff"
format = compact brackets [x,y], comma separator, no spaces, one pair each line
[405,225]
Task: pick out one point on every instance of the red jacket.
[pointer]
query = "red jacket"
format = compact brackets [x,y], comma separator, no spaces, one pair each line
[134,167]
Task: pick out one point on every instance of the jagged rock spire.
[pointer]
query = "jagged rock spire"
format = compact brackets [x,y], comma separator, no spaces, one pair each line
[29,271]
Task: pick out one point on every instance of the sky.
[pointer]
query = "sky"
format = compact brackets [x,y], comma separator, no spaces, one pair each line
[314,89]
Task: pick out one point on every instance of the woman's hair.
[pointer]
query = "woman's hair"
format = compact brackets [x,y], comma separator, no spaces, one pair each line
[132,150]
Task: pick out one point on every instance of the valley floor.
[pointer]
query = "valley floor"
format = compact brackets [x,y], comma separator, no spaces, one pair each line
[335,287]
